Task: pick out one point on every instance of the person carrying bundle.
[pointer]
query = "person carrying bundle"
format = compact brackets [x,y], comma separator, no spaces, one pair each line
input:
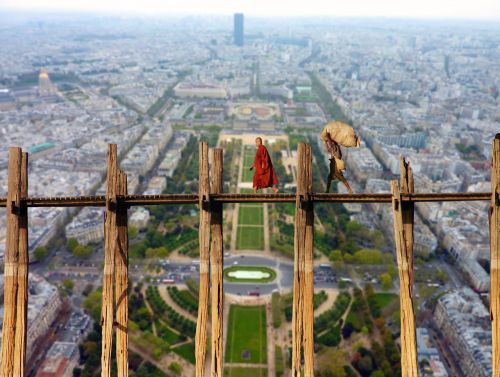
[335,134]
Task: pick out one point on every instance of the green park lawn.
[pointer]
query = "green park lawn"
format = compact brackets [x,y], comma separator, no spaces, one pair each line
[251,215]
[384,299]
[245,372]
[250,237]
[247,175]
[246,333]
[248,159]
[186,351]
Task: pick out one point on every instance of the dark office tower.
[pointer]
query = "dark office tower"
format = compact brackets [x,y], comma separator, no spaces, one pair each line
[238,29]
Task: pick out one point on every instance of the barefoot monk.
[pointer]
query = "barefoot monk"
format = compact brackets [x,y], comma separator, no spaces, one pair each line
[264,175]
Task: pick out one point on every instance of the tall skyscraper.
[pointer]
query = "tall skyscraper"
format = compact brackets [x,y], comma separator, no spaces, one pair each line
[238,29]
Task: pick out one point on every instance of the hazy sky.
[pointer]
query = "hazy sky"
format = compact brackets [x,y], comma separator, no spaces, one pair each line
[475,9]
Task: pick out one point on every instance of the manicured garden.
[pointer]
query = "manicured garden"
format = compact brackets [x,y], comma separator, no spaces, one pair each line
[185,299]
[245,372]
[251,214]
[168,314]
[250,237]
[247,337]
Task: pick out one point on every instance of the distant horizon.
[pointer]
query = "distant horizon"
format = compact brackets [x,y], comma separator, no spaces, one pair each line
[446,10]
[39,13]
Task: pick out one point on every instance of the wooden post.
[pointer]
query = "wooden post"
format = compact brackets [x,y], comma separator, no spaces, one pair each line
[121,291]
[495,256]
[204,241]
[22,280]
[110,246]
[299,260]
[217,259]
[403,236]
[11,261]
[408,187]
[308,332]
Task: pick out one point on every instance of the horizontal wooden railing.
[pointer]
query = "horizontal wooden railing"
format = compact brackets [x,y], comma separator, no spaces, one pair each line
[210,200]
[142,200]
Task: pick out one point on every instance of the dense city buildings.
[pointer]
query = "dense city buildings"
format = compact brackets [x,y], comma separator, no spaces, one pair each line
[428,91]
[465,322]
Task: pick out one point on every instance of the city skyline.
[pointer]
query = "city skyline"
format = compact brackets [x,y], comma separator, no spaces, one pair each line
[426,9]
[156,87]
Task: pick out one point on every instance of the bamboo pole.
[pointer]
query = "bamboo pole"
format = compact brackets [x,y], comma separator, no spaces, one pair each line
[204,241]
[110,246]
[11,261]
[217,262]
[308,269]
[403,236]
[495,256]
[22,280]
[121,291]
[299,261]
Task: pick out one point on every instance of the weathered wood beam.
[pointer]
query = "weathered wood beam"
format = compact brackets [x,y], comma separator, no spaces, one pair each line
[204,241]
[176,199]
[403,236]
[308,207]
[22,280]
[408,213]
[11,261]
[299,260]
[110,246]
[495,256]
[121,289]
[217,263]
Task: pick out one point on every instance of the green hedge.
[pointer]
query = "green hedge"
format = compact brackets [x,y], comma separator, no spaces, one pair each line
[168,314]
[184,299]
[331,316]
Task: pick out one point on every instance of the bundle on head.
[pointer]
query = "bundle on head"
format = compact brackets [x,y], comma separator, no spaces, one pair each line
[341,133]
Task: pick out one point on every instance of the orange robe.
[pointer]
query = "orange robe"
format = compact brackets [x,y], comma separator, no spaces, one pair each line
[264,175]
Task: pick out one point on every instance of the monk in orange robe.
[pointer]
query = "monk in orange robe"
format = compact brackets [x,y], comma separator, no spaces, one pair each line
[264,175]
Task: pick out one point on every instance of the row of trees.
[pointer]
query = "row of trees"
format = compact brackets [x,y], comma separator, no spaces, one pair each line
[168,314]
[184,299]
[329,319]
[78,250]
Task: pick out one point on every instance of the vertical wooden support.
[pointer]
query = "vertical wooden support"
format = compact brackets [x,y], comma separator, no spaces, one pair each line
[299,261]
[408,187]
[495,256]
[22,280]
[403,235]
[11,261]
[308,332]
[204,241]
[110,246]
[217,262]
[121,291]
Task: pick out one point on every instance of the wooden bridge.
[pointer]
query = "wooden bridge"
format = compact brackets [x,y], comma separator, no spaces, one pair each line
[210,199]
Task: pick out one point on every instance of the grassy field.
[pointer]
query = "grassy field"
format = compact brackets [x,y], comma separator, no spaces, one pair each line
[250,232]
[247,175]
[245,372]
[251,215]
[186,351]
[248,159]
[384,299]
[250,237]
[246,332]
